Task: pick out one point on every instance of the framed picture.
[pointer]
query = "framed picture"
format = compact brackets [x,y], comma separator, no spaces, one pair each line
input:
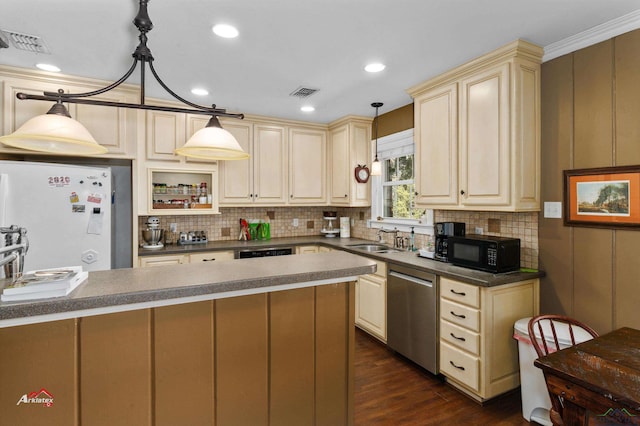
[607,197]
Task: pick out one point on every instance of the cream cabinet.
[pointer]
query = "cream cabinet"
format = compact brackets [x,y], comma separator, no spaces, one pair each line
[210,256]
[307,249]
[178,191]
[262,179]
[477,133]
[113,128]
[349,146]
[478,354]
[371,302]
[307,166]
[162,260]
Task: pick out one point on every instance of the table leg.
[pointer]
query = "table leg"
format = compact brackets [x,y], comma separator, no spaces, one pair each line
[574,415]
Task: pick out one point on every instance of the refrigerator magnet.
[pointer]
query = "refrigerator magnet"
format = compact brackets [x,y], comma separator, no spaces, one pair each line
[74,197]
[78,208]
[94,198]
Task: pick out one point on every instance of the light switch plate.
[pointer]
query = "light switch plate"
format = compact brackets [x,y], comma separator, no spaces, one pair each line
[553,209]
[295,222]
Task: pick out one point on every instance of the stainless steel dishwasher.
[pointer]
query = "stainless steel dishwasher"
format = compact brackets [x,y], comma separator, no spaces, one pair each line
[412,315]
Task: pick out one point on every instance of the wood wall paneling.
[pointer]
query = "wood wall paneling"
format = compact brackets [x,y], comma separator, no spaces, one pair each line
[34,358]
[626,296]
[554,238]
[292,357]
[627,95]
[183,364]
[116,349]
[241,360]
[593,104]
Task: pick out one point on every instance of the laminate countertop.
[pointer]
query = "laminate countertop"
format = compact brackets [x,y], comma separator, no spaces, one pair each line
[137,288]
[401,257]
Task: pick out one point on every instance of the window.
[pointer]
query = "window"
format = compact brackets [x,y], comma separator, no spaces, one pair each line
[393,193]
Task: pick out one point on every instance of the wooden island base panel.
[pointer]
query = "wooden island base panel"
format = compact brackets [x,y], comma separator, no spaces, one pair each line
[278,358]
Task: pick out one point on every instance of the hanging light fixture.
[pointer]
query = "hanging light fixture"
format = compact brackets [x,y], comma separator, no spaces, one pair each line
[56,132]
[376,166]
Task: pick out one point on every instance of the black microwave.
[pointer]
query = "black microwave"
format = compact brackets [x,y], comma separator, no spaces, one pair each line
[485,252]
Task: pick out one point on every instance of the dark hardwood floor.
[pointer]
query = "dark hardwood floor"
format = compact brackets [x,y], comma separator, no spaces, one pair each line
[390,390]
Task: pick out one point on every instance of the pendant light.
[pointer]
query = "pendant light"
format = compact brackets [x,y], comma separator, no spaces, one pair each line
[56,132]
[376,166]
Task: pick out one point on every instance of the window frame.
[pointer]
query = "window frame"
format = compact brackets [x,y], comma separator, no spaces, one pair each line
[391,146]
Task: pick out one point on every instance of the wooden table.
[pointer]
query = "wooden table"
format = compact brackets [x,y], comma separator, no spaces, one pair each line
[601,375]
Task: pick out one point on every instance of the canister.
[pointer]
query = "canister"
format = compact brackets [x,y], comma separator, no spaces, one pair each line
[345,227]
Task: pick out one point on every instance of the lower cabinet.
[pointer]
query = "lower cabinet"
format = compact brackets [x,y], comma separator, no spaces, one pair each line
[161,260]
[178,259]
[307,249]
[478,354]
[371,302]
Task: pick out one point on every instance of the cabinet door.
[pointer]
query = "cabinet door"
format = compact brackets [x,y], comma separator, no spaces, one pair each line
[270,165]
[147,261]
[165,132]
[236,177]
[371,305]
[340,171]
[436,157]
[307,166]
[194,123]
[484,138]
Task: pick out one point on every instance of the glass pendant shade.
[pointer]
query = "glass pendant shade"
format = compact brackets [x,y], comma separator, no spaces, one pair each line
[213,143]
[376,167]
[56,133]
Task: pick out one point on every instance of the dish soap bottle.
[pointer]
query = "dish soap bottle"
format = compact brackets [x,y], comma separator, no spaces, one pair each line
[412,243]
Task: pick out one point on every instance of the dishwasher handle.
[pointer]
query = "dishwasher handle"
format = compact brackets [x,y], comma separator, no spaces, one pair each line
[410,278]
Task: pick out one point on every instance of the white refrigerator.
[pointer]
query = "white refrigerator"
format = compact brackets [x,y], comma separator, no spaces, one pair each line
[66,210]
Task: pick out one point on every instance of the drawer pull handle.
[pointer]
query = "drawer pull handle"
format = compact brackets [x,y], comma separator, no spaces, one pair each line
[459,293]
[458,315]
[209,260]
[456,366]
[462,339]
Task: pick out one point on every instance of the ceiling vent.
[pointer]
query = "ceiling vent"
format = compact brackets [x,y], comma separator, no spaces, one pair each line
[303,92]
[26,42]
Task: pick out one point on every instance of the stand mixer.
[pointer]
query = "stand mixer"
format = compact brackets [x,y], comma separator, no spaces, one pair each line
[152,235]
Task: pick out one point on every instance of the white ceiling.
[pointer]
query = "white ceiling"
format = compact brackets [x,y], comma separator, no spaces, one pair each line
[284,44]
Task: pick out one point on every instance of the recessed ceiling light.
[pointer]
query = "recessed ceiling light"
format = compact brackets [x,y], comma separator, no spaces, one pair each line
[226,31]
[48,67]
[307,108]
[199,92]
[375,67]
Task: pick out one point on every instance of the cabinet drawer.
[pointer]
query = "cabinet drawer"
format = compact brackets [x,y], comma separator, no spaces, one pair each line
[459,365]
[460,292]
[460,314]
[460,337]
[211,256]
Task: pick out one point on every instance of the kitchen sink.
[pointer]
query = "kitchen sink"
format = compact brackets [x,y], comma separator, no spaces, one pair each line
[374,248]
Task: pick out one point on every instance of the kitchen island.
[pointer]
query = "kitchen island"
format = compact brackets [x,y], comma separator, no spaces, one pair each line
[252,341]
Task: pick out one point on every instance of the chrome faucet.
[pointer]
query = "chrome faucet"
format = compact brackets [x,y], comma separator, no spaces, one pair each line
[16,246]
[394,232]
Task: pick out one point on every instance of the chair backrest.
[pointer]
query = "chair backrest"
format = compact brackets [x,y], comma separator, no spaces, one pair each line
[548,333]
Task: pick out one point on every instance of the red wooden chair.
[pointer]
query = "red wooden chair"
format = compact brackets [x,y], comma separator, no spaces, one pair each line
[543,333]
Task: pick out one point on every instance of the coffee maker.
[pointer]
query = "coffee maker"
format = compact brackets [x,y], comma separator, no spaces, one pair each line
[443,231]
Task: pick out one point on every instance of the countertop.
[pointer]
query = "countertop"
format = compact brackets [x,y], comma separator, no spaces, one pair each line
[404,258]
[136,288]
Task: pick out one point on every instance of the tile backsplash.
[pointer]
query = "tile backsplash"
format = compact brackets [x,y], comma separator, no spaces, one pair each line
[226,226]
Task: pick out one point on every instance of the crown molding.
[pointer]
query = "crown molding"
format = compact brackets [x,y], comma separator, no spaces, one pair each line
[602,32]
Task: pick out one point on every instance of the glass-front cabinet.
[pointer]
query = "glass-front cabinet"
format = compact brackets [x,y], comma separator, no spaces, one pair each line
[174,192]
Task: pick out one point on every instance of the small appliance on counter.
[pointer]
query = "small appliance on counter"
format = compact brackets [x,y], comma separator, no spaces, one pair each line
[485,253]
[329,228]
[443,231]
[345,227]
[152,235]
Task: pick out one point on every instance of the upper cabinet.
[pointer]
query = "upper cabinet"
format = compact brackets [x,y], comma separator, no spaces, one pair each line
[349,146]
[113,128]
[478,133]
[307,166]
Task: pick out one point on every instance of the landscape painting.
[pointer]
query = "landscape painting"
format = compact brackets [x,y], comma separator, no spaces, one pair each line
[607,197]
[603,198]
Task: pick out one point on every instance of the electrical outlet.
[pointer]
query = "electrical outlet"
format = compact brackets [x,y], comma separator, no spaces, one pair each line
[295,223]
[173,227]
[479,230]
